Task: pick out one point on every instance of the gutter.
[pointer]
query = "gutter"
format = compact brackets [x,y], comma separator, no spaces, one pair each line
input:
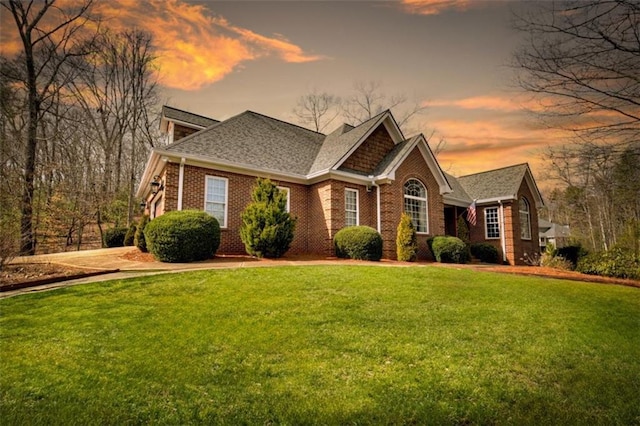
[378,219]
[181,182]
[503,237]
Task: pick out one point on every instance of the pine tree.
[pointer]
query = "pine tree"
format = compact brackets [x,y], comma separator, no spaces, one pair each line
[267,228]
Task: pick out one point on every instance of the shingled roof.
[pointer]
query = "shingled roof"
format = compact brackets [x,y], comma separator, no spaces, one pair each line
[175,114]
[492,184]
[254,140]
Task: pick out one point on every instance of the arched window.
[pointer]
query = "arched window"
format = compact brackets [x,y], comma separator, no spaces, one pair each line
[415,204]
[525,219]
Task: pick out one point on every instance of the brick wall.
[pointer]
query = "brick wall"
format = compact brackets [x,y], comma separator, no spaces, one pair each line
[514,244]
[371,152]
[392,205]
[180,131]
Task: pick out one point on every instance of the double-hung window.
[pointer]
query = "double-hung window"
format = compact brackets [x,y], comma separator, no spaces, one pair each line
[215,198]
[415,204]
[351,207]
[491,222]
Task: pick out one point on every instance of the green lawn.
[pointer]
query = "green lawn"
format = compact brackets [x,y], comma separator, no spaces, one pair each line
[323,345]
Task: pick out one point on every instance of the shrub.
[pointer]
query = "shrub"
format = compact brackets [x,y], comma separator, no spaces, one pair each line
[183,236]
[485,252]
[572,254]
[358,242]
[463,230]
[139,240]
[617,262]
[114,237]
[448,249]
[267,228]
[130,235]
[406,240]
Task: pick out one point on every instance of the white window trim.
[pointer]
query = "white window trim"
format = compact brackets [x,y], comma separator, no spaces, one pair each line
[528,213]
[486,228]
[226,197]
[347,190]
[288,191]
[426,204]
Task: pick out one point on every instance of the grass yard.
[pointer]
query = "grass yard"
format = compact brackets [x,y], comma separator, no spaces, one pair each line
[323,345]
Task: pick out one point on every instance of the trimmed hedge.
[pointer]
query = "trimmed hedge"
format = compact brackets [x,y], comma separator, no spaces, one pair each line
[485,252]
[183,236]
[358,242]
[447,249]
[114,237]
[139,240]
[617,262]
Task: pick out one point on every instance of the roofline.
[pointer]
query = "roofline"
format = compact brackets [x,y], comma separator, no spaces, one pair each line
[281,121]
[188,112]
[494,170]
[399,137]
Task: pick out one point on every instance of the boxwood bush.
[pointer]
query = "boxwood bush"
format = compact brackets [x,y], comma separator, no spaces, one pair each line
[617,262]
[572,254]
[114,237]
[183,236]
[485,252]
[447,249]
[358,242]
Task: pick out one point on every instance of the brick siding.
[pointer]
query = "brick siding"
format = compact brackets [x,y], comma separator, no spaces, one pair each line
[371,152]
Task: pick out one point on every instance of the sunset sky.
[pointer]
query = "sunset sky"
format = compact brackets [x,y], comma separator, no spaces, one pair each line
[221,58]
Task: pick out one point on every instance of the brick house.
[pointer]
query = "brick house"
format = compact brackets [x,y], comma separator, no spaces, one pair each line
[363,175]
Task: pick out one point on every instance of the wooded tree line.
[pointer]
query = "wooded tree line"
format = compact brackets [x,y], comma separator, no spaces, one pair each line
[581,62]
[76,110]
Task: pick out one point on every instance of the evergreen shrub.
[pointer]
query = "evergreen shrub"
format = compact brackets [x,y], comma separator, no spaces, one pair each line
[485,252]
[358,242]
[617,262]
[139,240]
[129,237]
[406,240]
[114,237]
[183,236]
[267,228]
[447,249]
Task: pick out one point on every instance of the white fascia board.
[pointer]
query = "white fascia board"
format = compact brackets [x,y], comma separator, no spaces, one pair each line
[533,187]
[460,202]
[496,199]
[341,176]
[150,170]
[185,124]
[242,169]
[390,125]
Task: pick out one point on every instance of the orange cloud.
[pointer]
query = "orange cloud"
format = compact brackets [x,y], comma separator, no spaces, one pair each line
[434,7]
[490,102]
[195,48]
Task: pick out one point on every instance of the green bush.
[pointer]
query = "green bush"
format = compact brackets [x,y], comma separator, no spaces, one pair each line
[358,242]
[617,262]
[267,228]
[463,230]
[129,237]
[139,240]
[448,249]
[485,252]
[183,236]
[572,254]
[114,237]
[406,240]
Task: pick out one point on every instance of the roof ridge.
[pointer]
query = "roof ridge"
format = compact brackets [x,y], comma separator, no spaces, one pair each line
[285,122]
[189,112]
[494,170]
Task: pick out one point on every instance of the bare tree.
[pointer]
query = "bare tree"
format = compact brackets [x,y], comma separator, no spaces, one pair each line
[368,100]
[46,49]
[317,109]
[582,62]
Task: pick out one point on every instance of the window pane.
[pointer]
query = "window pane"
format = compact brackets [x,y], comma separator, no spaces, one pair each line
[415,204]
[491,222]
[215,199]
[351,207]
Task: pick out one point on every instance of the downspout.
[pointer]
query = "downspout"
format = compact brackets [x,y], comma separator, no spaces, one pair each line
[180,183]
[503,237]
[378,221]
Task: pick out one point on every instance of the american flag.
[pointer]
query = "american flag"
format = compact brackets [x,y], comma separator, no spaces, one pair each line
[471,213]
